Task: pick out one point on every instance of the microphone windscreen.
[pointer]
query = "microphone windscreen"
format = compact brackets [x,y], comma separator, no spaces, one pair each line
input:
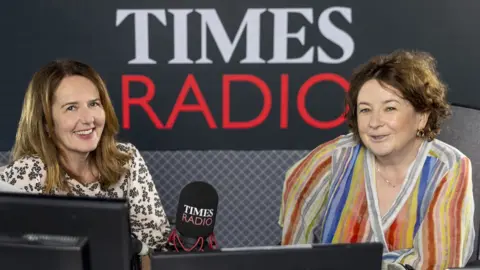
[136,246]
[197,210]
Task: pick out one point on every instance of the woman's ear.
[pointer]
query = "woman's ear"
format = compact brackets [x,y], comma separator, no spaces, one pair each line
[423,120]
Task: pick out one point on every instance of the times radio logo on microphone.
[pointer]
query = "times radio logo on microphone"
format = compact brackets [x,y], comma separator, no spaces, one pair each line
[197,216]
[197,209]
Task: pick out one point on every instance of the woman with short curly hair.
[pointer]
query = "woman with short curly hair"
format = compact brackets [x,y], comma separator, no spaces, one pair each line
[390,180]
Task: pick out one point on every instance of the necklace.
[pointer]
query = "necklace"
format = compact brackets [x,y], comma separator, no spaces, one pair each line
[386,180]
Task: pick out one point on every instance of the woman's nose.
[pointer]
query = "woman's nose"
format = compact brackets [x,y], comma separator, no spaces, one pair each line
[375,120]
[86,116]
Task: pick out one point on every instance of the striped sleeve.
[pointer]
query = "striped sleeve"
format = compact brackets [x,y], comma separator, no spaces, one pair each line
[446,235]
[306,183]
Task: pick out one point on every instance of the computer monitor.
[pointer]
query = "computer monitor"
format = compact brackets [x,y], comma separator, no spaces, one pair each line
[302,257]
[104,222]
[52,252]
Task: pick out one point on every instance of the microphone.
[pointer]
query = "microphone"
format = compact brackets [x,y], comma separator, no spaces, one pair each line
[195,219]
[135,247]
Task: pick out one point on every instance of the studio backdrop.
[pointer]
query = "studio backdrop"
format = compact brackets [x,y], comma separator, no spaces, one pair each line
[231,92]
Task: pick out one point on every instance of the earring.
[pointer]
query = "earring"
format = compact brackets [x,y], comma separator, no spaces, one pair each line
[420,133]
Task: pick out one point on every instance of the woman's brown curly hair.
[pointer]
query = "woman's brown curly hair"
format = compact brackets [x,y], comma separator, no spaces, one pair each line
[415,75]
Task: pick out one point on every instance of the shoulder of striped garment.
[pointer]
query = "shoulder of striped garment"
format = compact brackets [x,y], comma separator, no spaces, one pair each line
[324,151]
[314,167]
[446,153]
[304,177]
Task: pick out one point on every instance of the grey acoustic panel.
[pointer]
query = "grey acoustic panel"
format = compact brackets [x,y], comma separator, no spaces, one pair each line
[249,184]
[4,158]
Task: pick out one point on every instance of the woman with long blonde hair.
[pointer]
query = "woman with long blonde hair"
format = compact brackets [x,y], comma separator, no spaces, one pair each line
[65,144]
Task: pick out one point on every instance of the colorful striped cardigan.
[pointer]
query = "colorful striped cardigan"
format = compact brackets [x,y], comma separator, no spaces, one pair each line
[329,196]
